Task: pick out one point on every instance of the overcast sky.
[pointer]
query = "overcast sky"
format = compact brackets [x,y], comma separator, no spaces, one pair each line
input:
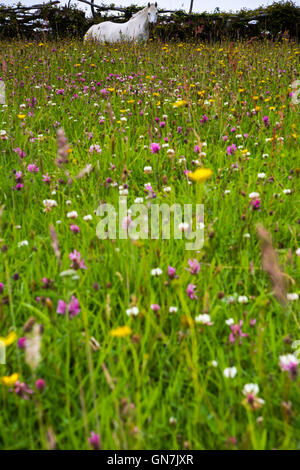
[199,5]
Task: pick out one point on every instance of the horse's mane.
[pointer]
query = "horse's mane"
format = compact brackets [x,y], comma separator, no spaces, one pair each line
[139,13]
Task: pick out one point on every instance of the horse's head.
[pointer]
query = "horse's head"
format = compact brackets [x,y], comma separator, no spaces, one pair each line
[152,13]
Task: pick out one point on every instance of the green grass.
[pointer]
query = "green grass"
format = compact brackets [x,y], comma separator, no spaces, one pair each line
[128,389]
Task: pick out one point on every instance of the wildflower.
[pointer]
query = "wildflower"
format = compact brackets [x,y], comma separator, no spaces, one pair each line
[172,272]
[72,215]
[77,262]
[173,310]
[73,307]
[75,229]
[1,287]
[229,322]
[10,380]
[155,147]
[155,307]
[289,363]
[231,149]
[214,363]
[156,272]
[87,217]
[179,103]
[23,243]
[9,339]
[200,175]
[183,226]
[121,332]
[94,441]
[40,385]
[22,389]
[95,148]
[203,319]
[236,332]
[191,291]
[230,372]
[243,299]
[32,168]
[252,401]
[133,311]
[49,203]
[194,266]
[255,204]
[22,342]
[298,252]
[46,178]
[292,296]
[254,195]
[148,170]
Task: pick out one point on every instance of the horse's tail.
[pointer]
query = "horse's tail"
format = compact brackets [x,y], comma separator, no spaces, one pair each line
[88,35]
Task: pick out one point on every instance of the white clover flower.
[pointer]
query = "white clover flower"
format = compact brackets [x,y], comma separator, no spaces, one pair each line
[261,176]
[230,321]
[203,319]
[148,169]
[139,200]
[68,202]
[298,252]
[156,272]
[133,311]
[265,155]
[250,389]
[287,191]
[292,296]
[23,243]
[243,299]
[58,222]
[123,192]
[50,203]
[72,215]
[214,363]
[253,195]
[87,217]
[230,372]
[227,191]
[167,189]
[173,309]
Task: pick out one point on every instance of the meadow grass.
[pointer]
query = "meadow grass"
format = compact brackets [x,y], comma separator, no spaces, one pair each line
[160,383]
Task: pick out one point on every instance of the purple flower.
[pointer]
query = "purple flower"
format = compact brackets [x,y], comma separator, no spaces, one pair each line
[21,389]
[155,307]
[73,307]
[22,342]
[231,149]
[255,203]
[46,178]
[191,291]
[1,287]
[236,332]
[77,262]
[61,307]
[40,385]
[172,272]
[194,266]
[75,229]
[155,147]
[94,441]
[32,168]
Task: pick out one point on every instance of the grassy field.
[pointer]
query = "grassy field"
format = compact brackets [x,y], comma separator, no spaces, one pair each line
[202,357]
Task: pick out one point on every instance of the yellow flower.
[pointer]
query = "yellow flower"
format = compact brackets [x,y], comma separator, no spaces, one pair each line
[121,332]
[10,380]
[9,339]
[21,116]
[200,175]
[179,104]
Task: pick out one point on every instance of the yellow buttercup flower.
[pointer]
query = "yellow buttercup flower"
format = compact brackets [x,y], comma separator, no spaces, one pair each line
[9,380]
[9,339]
[21,116]
[200,175]
[121,332]
[179,104]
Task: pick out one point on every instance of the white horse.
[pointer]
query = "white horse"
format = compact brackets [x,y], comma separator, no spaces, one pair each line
[136,29]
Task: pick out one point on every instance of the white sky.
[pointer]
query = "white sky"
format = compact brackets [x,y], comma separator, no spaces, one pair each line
[199,5]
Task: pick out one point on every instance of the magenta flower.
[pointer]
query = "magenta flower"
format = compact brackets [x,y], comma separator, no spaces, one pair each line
[191,291]
[155,307]
[32,168]
[255,203]
[75,229]
[194,266]
[236,332]
[21,389]
[155,147]
[172,272]
[73,307]
[61,307]
[1,287]
[77,262]
[289,363]
[40,385]
[94,441]
[22,342]
[46,178]
[231,149]
[266,120]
